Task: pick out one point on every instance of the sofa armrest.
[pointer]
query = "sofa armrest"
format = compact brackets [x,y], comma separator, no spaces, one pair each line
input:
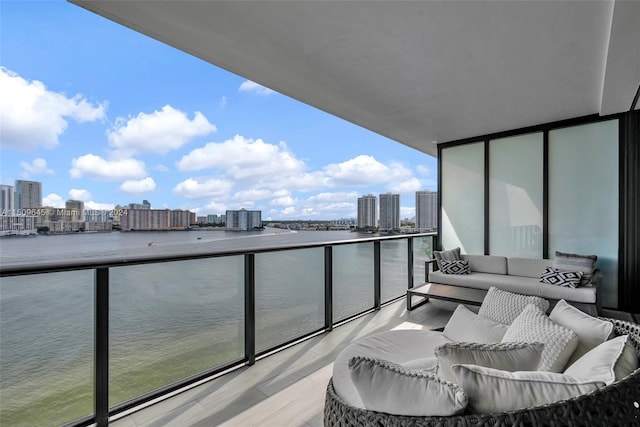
[434,267]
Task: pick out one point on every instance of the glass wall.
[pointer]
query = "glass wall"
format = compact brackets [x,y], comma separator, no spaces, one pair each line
[583,197]
[394,277]
[289,295]
[352,279]
[172,320]
[462,187]
[516,196]
[46,349]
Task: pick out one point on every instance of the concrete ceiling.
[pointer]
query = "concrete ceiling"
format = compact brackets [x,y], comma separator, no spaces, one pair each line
[417,72]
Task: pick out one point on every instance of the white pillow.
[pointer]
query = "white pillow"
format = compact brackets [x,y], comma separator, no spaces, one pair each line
[466,326]
[533,325]
[513,356]
[608,362]
[492,390]
[591,331]
[386,387]
[503,306]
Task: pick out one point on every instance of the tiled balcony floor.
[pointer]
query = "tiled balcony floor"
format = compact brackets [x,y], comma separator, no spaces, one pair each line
[284,389]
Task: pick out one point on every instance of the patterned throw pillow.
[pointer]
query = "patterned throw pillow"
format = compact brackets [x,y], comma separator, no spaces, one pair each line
[533,325]
[503,306]
[584,263]
[455,267]
[451,255]
[566,278]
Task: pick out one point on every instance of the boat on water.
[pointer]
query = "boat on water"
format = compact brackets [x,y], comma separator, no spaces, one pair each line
[151,244]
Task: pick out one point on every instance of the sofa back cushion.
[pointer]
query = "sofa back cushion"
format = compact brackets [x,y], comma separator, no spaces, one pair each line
[527,267]
[487,263]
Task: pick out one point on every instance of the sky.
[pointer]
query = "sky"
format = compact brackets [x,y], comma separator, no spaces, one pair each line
[103,114]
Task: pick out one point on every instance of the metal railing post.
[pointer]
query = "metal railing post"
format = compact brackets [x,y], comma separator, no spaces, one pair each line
[250,308]
[328,288]
[101,338]
[376,275]
[410,263]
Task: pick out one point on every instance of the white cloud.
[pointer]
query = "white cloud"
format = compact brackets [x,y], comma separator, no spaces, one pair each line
[92,166]
[37,166]
[138,187]
[410,185]
[334,197]
[203,188]
[249,86]
[33,116]
[53,200]
[406,212]
[80,194]
[98,206]
[424,170]
[158,132]
[161,168]
[361,170]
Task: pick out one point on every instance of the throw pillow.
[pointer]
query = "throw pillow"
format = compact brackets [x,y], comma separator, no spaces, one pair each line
[591,331]
[465,325]
[513,356]
[584,263]
[533,325]
[455,267]
[503,306]
[601,362]
[492,390]
[387,387]
[451,255]
[555,276]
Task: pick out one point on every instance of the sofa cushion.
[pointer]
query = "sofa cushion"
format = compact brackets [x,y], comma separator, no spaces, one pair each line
[513,356]
[533,325]
[608,362]
[487,263]
[584,263]
[492,390]
[450,255]
[460,266]
[591,331]
[558,277]
[387,387]
[503,306]
[465,325]
[399,346]
[527,267]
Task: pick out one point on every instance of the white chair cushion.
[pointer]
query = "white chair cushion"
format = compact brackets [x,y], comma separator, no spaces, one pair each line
[533,325]
[466,326]
[511,356]
[608,362]
[503,307]
[387,387]
[493,390]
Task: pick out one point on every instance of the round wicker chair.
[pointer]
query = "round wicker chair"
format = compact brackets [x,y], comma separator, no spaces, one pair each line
[616,405]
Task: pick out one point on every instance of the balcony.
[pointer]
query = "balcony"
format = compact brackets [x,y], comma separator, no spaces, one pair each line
[224,335]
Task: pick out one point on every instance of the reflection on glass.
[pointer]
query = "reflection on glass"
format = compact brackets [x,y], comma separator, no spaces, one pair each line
[352,279]
[173,320]
[393,269]
[422,252]
[289,295]
[46,348]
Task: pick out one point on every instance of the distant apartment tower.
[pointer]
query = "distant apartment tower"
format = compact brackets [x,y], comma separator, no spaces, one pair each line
[7,198]
[426,210]
[243,220]
[28,194]
[145,219]
[367,211]
[144,205]
[389,211]
[75,210]
[180,220]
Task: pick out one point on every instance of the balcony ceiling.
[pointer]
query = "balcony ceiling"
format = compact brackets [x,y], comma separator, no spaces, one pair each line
[417,72]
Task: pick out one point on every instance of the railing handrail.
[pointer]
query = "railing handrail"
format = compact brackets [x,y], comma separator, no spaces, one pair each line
[118,261]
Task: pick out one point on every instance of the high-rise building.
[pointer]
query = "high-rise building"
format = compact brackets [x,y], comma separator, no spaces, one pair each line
[28,194]
[243,220]
[389,211]
[426,210]
[75,210]
[7,198]
[367,211]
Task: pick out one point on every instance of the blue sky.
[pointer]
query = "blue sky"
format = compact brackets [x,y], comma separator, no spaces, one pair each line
[100,113]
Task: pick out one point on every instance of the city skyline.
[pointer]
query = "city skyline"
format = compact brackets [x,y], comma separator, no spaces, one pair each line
[104,115]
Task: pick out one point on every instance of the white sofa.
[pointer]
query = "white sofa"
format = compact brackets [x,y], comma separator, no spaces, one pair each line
[519,275]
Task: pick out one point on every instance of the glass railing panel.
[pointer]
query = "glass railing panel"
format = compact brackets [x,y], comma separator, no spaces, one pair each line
[46,348]
[393,269]
[289,295]
[353,278]
[172,320]
[422,252]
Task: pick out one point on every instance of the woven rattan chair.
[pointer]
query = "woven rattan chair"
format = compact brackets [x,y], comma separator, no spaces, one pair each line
[616,405]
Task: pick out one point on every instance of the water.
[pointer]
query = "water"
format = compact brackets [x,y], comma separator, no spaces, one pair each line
[167,321]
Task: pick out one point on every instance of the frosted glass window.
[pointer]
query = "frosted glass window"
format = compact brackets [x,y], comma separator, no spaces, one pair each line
[583,197]
[515,196]
[463,198]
